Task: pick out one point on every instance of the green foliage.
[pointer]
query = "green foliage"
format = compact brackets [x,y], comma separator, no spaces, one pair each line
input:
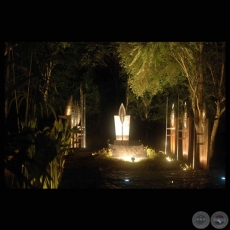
[37,151]
[147,64]
[31,151]
[151,69]
[184,166]
[215,77]
[60,134]
[104,152]
[151,153]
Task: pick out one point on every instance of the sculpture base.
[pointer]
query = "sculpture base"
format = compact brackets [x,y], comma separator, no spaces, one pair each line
[128,149]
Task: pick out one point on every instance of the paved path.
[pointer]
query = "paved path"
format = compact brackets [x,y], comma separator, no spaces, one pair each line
[82,170]
[191,179]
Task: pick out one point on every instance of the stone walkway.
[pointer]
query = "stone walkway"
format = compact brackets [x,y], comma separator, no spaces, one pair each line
[83,171]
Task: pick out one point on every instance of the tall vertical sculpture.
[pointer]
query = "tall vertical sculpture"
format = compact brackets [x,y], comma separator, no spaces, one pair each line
[195,143]
[77,117]
[72,112]
[83,118]
[203,140]
[123,147]
[172,131]
[122,125]
[185,134]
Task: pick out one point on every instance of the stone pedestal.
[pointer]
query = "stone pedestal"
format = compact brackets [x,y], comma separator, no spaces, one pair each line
[127,149]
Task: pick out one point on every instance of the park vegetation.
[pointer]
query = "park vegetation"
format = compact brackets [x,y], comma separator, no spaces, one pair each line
[41,76]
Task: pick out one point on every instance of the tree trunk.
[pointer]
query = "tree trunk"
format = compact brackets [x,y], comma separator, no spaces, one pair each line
[215,127]
[127,97]
[213,136]
[218,82]
[198,105]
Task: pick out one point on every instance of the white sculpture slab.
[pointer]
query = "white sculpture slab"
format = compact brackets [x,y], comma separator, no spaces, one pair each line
[122,131]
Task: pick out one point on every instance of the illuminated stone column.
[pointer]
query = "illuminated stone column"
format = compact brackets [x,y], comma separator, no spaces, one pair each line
[69,113]
[203,141]
[72,112]
[122,124]
[202,137]
[75,120]
[83,118]
[207,137]
[118,128]
[185,134]
[190,137]
[172,131]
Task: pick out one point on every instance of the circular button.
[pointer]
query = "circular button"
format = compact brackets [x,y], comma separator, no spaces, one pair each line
[201,220]
[219,220]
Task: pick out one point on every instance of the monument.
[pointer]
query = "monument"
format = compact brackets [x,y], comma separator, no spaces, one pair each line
[123,148]
[185,140]
[77,116]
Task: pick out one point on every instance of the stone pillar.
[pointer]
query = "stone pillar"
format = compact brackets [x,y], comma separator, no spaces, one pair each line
[207,137]
[190,137]
[173,126]
[204,141]
[185,139]
[185,134]
[83,117]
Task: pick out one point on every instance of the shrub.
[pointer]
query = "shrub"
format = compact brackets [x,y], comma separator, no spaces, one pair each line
[36,157]
[151,152]
[104,152]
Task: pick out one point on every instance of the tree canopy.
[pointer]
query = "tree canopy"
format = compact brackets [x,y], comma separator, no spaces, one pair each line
[43,75]
[149,66]
[154,65]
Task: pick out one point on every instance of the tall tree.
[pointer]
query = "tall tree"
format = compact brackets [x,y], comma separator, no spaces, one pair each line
[151,65]
[20,85]
[27,77]
[146,69]
[190,57]
[215,85]
[203,64]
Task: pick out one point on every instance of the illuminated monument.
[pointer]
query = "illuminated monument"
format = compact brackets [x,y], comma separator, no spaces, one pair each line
[186,143]
[122,124]
[77,116]
[122,147]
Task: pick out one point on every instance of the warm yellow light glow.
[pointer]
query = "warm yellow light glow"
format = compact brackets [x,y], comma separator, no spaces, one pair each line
[122,129]
[168,158]
[185,166]
[129,158]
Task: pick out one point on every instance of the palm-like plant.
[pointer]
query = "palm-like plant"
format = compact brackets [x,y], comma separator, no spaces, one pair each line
[36,158]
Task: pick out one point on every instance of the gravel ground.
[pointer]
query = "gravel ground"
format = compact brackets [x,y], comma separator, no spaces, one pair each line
[193,179]
[82,170]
